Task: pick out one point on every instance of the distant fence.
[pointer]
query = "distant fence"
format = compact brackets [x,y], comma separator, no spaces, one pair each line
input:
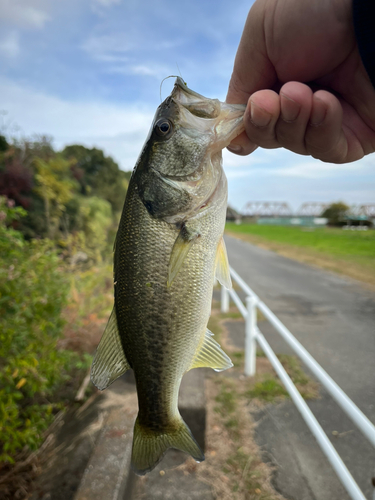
[253,335]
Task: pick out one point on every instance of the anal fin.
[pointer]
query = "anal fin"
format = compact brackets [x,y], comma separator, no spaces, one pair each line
[109,360]
[210,355]
[222,271]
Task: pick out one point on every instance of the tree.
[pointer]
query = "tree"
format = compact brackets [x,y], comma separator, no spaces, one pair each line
[97,174]
[3,143]
[17,180]
[94,221]
[336,213]
[55,186]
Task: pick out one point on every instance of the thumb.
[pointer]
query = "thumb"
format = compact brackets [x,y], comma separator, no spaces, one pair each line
[252,70]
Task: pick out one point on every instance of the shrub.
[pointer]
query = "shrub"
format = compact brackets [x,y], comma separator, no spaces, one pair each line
[33,291]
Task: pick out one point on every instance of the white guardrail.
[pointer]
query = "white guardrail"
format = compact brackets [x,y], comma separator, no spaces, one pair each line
[254,335]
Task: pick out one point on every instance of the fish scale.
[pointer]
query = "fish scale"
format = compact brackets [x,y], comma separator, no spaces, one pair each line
[168,248]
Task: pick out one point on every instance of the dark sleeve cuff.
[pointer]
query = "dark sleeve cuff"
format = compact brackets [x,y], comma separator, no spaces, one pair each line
[364,27]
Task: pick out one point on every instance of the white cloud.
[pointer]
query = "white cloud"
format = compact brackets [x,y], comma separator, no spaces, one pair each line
[119,129]
[118,52]
[283,163]
[117,58]
[315,169]
[107,47]
[158,72]
[9,45]
[144,70]
[24,13]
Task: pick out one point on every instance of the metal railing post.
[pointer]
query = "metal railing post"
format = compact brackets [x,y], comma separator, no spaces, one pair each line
[224,300]
[250,335]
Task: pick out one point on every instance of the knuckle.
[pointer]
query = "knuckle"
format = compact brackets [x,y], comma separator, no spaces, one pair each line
[325,150]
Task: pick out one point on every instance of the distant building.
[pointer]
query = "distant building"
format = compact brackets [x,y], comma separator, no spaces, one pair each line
[309,214]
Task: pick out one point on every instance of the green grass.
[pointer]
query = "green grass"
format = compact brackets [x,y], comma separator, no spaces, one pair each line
[334,241]
[293,366]
[351,253]
[238,357]
[267,390]
[226,398]
[307,387]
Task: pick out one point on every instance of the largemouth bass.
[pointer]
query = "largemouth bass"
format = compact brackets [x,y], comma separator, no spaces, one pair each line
[168,249]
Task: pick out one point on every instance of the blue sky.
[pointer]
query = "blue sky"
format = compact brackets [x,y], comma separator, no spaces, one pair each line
[89,72]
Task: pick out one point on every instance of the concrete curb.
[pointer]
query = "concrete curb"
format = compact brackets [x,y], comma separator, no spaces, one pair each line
[106,474]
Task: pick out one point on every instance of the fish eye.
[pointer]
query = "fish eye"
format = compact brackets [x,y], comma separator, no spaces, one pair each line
[163,128]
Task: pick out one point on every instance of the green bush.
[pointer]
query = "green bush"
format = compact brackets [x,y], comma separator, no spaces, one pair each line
[93,222]
[33,292]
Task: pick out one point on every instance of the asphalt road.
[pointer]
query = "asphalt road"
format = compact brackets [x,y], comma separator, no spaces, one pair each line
[334,319]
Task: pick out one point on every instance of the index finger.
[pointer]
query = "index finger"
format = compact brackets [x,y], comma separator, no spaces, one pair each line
[252,69]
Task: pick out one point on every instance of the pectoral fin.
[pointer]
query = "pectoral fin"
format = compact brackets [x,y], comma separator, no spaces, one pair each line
[109,360]
[210,355]
[222,272]
[181,247]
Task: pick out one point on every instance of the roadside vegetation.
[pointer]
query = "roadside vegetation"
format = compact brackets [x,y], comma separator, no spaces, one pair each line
[58,217]
[347,252]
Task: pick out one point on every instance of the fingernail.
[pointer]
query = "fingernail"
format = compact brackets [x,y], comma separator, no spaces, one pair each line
[289,108]
[235,148]
[259,117]
[319,112]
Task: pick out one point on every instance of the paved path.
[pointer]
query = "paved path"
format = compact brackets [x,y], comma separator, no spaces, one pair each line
[334,318]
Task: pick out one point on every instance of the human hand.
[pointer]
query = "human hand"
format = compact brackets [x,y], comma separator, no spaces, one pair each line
[299,70]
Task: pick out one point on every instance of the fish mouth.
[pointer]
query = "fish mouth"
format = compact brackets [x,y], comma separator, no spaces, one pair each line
[226,120]
[180,84]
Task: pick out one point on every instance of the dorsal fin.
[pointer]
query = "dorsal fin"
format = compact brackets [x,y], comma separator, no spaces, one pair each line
[210,355]
[109,360]
[222,271]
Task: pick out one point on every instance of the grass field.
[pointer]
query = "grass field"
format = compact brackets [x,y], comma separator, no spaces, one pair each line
[348,252]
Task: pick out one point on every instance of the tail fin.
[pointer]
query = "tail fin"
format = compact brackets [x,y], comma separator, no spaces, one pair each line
[149,446]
